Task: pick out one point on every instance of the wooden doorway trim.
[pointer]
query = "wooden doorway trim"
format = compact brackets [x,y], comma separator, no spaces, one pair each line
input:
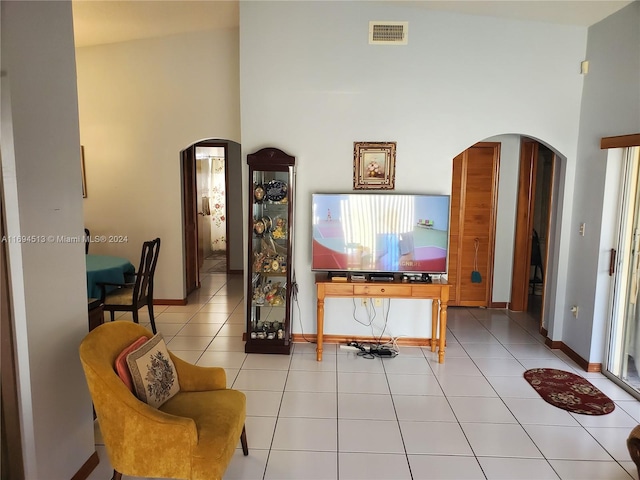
[226,204]
[190,219]
[524,225]
[620,141]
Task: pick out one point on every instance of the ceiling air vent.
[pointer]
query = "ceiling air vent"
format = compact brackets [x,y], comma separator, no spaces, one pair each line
[388,33]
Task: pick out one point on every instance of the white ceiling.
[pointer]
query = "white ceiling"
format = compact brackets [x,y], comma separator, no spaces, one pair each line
[567,12]
[109,21]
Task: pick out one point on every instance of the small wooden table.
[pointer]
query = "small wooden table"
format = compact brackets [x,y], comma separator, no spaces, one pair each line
[438,291]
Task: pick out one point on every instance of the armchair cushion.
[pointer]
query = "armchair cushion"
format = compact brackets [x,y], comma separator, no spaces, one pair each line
[153,373]
[215,414]
[122,369]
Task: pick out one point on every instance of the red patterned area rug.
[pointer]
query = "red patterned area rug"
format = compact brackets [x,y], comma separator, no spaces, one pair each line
[569,391]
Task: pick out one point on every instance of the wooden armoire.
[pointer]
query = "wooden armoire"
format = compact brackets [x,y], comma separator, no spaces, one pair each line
[474,194]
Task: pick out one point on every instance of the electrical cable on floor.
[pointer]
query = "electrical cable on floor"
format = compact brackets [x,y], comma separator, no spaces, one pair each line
[380,351]
[391,344]
[386,320]
[294,294]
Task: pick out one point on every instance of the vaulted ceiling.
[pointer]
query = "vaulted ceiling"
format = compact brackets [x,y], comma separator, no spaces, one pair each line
[110,21]
[97,22]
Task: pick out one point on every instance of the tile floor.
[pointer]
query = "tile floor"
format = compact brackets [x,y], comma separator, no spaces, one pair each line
[473,417]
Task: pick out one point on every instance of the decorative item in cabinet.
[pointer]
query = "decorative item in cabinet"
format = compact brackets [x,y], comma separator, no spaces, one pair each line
[270,251]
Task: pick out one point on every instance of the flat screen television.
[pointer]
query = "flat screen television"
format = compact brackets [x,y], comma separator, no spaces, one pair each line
[382,232]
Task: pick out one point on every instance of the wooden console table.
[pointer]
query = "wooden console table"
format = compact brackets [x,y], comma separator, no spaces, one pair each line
[438,291]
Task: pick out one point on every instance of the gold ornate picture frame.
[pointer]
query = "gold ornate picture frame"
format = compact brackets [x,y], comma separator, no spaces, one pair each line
[374,165]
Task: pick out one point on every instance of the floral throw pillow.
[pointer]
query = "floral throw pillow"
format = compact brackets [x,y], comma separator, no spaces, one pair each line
[153,373]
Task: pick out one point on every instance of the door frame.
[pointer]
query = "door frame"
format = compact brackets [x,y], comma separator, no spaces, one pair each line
[620,262]
[523,238]
[189,219]
[190,210]
[524,225]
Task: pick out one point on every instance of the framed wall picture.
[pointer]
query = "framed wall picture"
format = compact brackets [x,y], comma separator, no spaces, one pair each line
[84,177]
[374,165]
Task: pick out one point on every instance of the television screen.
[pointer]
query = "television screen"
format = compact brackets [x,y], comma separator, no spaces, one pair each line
[380,232]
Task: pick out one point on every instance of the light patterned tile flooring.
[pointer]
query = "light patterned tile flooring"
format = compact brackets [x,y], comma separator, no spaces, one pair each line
[408,417]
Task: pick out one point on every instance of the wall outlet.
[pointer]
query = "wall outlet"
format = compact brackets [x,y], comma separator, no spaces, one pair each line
[584,67]
[377,302]
[574,310]
[365,302]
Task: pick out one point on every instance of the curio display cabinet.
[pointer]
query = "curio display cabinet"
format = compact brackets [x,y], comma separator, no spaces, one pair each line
[270,260]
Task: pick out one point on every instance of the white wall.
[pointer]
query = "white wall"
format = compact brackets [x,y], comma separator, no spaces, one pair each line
[141,103]
[312,91]
[42,195]
[610,106]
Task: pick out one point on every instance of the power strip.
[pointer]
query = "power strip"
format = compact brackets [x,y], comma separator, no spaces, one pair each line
[350,348]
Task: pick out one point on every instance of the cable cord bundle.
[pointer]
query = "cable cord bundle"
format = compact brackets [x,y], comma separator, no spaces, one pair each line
[374,350]
[379,349]
[294,294]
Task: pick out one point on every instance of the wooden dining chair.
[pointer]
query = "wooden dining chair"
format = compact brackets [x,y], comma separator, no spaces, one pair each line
[131,296]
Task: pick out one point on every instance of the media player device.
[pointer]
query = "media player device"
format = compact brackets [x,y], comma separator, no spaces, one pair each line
[416,278]
[380,277]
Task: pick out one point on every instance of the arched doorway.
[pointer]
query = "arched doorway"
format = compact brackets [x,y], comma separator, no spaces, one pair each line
[493,199]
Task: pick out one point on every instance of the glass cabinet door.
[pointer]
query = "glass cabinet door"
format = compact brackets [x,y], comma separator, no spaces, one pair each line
[270,252]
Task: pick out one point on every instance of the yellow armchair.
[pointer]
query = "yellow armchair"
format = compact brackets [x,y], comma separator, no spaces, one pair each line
[191,436]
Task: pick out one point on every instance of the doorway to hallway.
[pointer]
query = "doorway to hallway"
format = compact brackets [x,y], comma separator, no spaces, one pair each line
[211,184]
[211,179]
[204,203]
[533,232]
